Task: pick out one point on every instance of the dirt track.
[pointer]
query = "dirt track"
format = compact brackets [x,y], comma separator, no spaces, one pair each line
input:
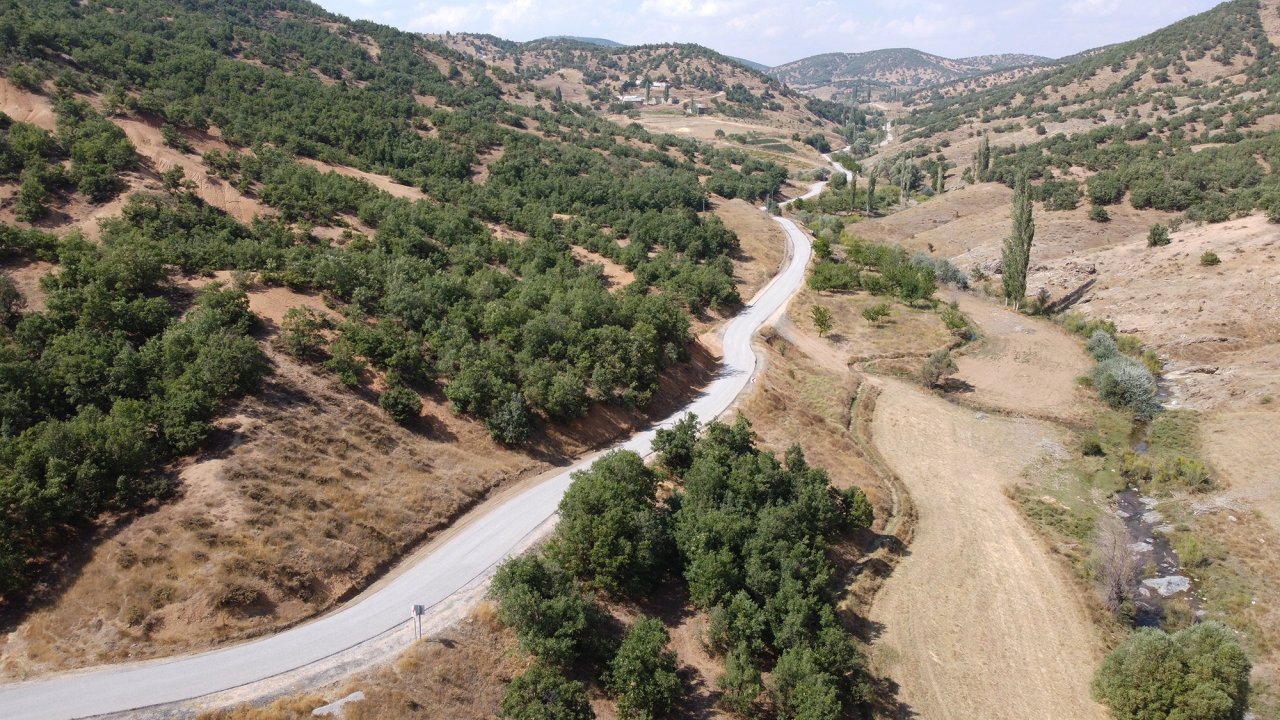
[979,620]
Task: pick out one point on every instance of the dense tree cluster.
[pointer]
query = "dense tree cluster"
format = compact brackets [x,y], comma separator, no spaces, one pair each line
[108,381]
[1200,672]
[882,270]
[749,536]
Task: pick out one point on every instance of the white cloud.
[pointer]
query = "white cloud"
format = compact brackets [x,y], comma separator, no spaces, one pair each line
[1093,8]
[446,17]
[684,9]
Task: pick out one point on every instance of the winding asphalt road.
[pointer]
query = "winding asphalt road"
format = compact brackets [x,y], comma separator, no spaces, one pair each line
[470,554]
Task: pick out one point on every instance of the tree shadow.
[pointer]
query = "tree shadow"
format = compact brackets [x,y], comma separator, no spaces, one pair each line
[1069,300]
[955,385]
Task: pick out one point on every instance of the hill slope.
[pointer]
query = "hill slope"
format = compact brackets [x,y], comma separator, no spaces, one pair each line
[689,78]
[888,70]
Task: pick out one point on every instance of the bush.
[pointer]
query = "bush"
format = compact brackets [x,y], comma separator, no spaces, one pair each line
[1201,672]
[401,403]
[1102,346]
[551,617]
[936,368]
[1099,214]
[542,693]
[875,313]
[1125,383]
[1209,258]
[1158,236]
[643,673]
[301,332]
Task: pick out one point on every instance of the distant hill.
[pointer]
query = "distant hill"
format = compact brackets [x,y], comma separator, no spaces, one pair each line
[602,42]
[752,64]
[687,76]
[893,69]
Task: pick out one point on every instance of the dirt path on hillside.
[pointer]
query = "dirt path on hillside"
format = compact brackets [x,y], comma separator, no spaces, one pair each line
[1021,365]
[979,620]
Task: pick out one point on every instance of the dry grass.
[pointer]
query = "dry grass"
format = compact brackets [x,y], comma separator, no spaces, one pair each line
[763,244]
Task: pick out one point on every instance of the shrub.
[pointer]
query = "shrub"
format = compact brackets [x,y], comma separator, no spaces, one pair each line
[936,368]
[643,673]
[510,423]
[1201,672]
[1125,383]
[1099,214]
[301,332]
[1185,472]
[542,693]
[1102,346]
[401,403]
[1209,258]
[1158,236]
[876,313]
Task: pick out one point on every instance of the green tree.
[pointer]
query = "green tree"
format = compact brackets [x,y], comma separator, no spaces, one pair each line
[302,332]
[821,319]
[401,403]
[543,693]
[871,191]
[551,617]
[611,533]
[675,445]
[1200,672]
[31,197]
[982,161]
[510,423]
[1016,257]
[642,675]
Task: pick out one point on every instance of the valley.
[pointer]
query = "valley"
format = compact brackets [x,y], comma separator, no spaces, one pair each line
[665,383]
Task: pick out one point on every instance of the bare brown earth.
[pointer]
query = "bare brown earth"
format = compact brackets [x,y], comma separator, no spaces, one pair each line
[1021,365]
[615,276]
[382,182]
[26,276]
[980,620]
[1217,328]
[26,107]
[150,143]
[1244,448]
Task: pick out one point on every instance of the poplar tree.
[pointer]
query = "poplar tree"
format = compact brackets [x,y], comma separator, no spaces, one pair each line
[871,192]
[1017,248]
[983,159]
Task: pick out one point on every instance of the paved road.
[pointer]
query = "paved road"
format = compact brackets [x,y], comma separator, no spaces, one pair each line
[469,554]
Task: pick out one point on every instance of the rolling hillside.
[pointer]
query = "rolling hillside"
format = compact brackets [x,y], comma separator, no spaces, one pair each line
[888,71]
[690,78]
[220,215]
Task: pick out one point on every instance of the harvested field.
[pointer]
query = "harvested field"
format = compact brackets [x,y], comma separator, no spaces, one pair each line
[979,620]
[1022,365]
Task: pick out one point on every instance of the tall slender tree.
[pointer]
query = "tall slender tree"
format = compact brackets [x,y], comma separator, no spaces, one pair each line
[982,161]
[871,190]
[1017,248]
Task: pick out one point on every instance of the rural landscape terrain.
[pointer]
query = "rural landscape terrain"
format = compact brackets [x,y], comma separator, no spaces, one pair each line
[374,374]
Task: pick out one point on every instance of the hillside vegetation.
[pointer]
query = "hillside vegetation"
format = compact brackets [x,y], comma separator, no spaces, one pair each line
[860,76]
[599,75]
[474,292]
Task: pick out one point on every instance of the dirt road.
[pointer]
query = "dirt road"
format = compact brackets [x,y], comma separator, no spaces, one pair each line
[979,620]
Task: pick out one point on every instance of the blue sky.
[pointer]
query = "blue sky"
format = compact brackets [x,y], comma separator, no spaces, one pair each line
[777,31]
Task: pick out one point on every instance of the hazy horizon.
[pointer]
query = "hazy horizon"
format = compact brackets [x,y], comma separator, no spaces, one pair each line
[774,33]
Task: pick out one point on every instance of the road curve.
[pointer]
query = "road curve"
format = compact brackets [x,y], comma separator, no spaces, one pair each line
[470,554]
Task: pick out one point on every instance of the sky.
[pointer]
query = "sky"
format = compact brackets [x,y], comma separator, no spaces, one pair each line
[777,31]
